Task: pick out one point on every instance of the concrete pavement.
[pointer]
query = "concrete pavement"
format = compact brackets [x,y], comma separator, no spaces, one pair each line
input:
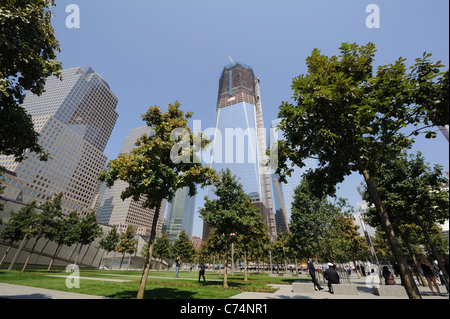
[364,292]
[9,291]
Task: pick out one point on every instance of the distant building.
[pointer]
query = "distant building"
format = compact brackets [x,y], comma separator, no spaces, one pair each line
[74,118]
[283,193]
[117,212]
[180,215]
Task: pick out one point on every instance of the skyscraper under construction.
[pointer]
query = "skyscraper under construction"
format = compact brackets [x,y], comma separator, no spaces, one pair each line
[239,142]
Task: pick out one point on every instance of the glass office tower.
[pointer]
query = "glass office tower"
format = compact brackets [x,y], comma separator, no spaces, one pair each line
[121,213]
[75,118]
[283,193]
[180,215]
[239,141]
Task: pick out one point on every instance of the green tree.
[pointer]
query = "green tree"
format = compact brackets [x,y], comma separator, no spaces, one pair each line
[19,227]
[109,243]
[45,223]
[215,245]
[161,163]
[312,221]
[228,212]
[252,234]
[64,232]
[278,249]
[87,231]
[162,248]
[28,52]
[13,229]
[346,117]
[344,242]
[411,192]
[184,248]
[127,243]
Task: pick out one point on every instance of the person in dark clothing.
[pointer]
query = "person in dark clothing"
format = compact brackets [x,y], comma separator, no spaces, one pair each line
[201,272]
[177,266]
[312,273]
[429,275]
[388,277]
[331,276]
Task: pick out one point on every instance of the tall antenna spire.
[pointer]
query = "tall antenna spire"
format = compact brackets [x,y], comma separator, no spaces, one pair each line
[229,57]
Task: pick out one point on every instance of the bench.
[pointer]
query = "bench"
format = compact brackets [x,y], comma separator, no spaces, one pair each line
[390,291]
[303,287]
[345,289]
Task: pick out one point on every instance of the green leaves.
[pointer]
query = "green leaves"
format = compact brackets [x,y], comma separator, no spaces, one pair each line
[150,169]
[346,116]
[27,57]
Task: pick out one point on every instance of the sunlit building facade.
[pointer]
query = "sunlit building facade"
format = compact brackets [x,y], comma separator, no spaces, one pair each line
[121,213]
[74,118]
[239,141]
[283,193]
[180,215]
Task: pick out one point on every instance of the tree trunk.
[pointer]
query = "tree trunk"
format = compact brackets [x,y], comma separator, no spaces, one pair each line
[113,260]
[416,271]
[245,266]
[29,255]
[225,270]
[436,254]
[76,258]
[105,255]
[408,280]
[121,261]
[6,254]
[53,257]
[16,256]
[148,258]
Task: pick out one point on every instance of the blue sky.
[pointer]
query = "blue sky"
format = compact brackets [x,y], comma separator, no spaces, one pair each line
[156,52]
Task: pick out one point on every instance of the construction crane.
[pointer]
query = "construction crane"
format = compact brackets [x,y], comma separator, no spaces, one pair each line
[280,196]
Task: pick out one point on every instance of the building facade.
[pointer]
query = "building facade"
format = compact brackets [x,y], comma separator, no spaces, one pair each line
[121,213]
[239,141]
[74,118]
[180,215]
[283,193]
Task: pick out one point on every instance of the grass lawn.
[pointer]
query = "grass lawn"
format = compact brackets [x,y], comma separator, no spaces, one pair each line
[160,284]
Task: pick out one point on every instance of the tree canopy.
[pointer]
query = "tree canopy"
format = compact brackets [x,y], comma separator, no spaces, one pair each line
[346,116]
[28,50]
[161,163]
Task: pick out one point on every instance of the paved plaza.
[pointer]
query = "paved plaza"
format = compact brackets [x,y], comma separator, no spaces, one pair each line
[9,291]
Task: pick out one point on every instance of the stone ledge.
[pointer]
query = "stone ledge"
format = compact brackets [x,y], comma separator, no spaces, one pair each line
[303,287]
[390,291]
[345,289]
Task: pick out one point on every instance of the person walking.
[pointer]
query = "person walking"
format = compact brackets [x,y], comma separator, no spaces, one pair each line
[440,274]
[331,276]
[201,272]
[429,275]
[177,266]
[312,272]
